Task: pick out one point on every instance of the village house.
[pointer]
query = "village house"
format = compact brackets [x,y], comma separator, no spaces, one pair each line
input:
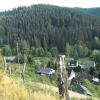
[95,80]
[73,63]
[9,59]
[71,76]
[46,71]
[77,81]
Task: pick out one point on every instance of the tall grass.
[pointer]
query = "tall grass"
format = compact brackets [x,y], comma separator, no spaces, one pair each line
[11,90]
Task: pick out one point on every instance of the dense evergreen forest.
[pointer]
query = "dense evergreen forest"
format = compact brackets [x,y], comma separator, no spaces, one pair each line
[48,26]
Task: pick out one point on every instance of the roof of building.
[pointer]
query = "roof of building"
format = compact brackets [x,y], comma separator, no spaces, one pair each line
[73,62]
[81,78]
[82,89]
[95,79]
[11,58]
[82,66]
[47,71]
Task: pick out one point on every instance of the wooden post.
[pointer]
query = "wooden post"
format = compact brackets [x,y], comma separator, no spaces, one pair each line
[24,67]
[62,77]
[10,68]
[22,70]
[17,45]
[7,66]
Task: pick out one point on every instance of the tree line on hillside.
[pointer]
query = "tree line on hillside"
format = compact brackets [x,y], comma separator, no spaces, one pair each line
[95,71]
[46,26]
[77,50]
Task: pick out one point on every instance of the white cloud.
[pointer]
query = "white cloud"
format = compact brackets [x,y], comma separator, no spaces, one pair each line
[9,4]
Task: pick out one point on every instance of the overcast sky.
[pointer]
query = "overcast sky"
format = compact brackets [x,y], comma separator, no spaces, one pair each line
[9,4]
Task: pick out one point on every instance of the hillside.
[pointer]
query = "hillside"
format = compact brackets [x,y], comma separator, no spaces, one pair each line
[47,26]
[92,11]
[11,89]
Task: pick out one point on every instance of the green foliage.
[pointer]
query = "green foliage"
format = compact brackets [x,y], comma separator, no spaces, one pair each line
[21,58]
[81,50]
[71,87]
[54,51]
[49,54]
[68,50]
[77,50]
[43,59]
[75,54]
[92,71]
[6,50]
[52,64]
[95,89]
[43,79]
[96,43]
[38,52]
[25,58]
[24,49]
[96,55]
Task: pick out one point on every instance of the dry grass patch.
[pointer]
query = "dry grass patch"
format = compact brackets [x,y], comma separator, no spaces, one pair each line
[41,96]
[11,90]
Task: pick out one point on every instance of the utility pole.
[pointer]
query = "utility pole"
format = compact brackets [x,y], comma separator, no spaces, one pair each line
[62,77]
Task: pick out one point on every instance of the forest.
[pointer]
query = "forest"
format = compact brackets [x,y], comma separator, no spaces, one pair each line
[47,27]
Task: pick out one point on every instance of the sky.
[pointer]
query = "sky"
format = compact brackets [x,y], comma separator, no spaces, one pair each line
[10,4]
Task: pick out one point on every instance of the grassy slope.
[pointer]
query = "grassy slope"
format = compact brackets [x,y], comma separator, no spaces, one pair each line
[12,88]
[72,95]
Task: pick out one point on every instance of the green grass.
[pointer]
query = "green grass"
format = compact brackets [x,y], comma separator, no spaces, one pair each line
[84,59]
[69,58]
[44,59]
[95,89]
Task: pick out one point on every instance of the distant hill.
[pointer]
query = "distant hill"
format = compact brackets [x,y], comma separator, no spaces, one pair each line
[47,26]
[92,11]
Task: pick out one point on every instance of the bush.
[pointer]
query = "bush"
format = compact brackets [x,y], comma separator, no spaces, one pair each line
[54,51]
[6,50]
[49,54]
[43,79]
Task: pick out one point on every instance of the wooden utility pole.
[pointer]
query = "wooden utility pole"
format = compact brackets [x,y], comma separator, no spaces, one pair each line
[62,77]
